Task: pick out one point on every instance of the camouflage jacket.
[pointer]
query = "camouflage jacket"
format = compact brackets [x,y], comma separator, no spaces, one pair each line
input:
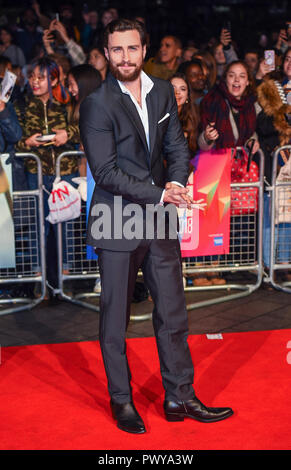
[38,117]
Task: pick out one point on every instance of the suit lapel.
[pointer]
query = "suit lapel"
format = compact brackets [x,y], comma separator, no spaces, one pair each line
[131,111]
[152,105]
[133,115]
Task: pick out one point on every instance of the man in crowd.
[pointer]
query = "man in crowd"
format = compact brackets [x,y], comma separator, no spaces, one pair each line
[168,60]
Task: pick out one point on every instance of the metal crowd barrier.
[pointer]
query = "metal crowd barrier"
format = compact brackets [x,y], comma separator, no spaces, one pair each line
[280,250]
[28,218]
[245,251]
[77,266]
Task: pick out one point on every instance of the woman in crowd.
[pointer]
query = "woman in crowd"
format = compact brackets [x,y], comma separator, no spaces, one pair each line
[41,115]
[209,66]
[97,59]
[196,79]
[64,66]
[189,117]
[228,112]
[82,80]
[187,110]
[274,130]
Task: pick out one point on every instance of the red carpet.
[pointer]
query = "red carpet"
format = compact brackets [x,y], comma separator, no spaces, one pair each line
[55,397]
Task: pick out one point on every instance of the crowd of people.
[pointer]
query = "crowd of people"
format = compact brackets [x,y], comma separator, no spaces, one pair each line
[224,98]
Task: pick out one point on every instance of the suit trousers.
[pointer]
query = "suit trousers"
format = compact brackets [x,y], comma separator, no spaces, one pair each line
[160,261]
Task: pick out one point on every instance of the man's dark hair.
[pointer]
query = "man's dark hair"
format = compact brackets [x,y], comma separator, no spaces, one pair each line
[122,25]
[191,62]
[177,41]
[87,79]
[4,62]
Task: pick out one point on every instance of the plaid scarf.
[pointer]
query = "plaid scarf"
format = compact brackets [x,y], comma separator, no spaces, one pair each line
[215,107]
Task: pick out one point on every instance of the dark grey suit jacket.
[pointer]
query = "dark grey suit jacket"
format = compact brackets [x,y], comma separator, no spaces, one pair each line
[120,161]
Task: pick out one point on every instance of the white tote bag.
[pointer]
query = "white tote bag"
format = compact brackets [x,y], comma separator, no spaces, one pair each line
[64,202]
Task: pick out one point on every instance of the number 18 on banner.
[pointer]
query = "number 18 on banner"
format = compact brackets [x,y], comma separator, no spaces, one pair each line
[189,221]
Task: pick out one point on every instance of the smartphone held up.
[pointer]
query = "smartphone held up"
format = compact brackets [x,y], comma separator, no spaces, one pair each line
[270,59]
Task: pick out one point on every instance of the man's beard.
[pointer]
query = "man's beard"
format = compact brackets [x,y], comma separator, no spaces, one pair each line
[119,75]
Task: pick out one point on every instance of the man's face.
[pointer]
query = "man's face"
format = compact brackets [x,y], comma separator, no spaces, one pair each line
[252,60]
[169,50]
[29,18]
[93,18]
[107,17]
[67,13]
[196,77]
[125,54]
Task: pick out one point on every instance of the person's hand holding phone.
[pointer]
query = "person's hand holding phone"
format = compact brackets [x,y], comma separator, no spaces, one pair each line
[48,39]
[60,28]
[32,140]
[225,37]
[210,133]
[262,70]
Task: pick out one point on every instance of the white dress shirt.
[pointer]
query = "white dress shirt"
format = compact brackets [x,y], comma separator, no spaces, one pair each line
[146,86]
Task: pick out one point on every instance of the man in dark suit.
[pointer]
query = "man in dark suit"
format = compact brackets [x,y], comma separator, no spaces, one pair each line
[129,127]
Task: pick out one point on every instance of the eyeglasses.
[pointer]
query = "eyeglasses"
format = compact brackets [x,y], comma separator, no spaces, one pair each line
[37,78]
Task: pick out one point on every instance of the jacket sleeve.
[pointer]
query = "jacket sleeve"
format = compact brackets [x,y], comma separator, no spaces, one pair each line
[203,144]
[97,136]
[9,125]
[175,146]
[230,54]
[73,133]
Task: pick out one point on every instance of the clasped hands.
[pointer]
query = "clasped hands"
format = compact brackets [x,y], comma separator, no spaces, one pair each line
[60,138]
[179,196]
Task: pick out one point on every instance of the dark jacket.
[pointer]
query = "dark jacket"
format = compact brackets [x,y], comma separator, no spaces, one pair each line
[10,130]
[272,127]
[116,148]
[10,134]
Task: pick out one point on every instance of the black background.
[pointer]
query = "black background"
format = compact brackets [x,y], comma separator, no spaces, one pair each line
[188,19]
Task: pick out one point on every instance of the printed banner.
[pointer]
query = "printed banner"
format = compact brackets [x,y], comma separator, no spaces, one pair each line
[7,245]
[206,233]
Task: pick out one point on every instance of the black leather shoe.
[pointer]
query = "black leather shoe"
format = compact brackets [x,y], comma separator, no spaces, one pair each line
[127,417]
[177,411]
